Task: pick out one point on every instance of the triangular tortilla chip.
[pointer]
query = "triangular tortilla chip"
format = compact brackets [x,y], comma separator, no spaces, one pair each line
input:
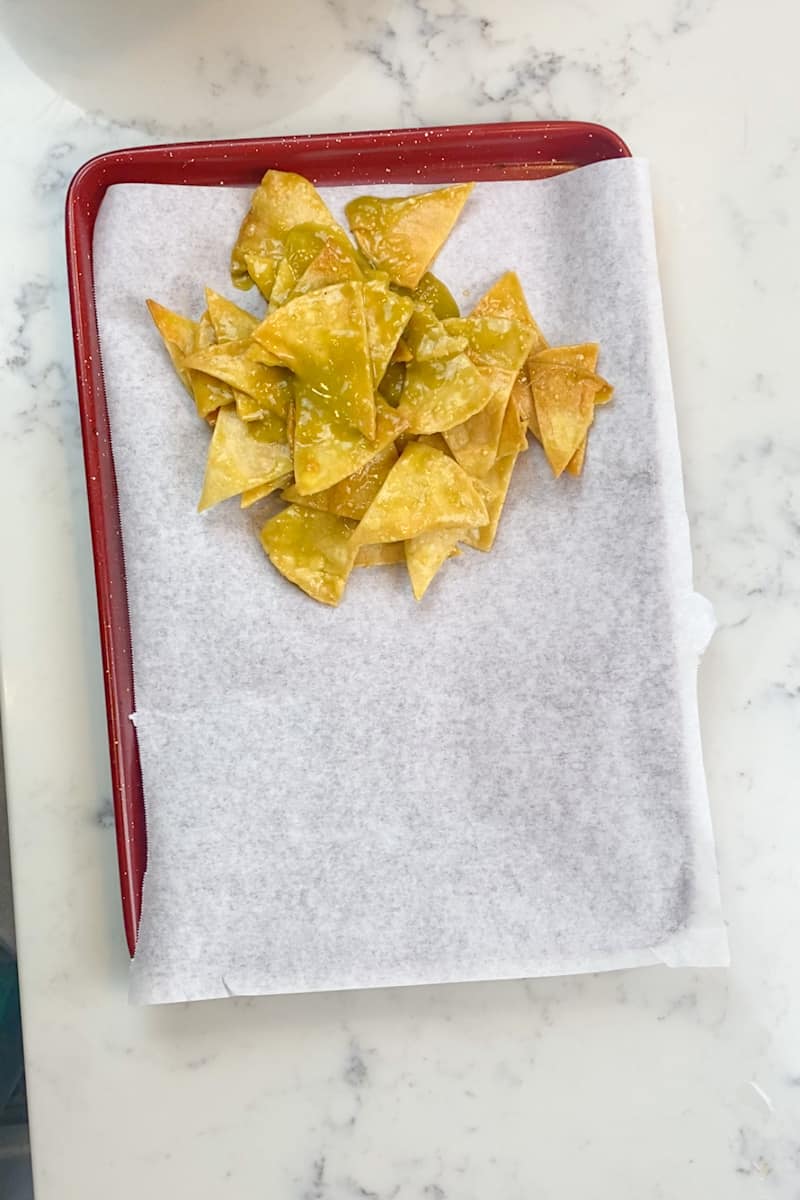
[210,394]
[505,298]
[312,549]
[230,322]
[402,236]
[442,393]
[301,246]
[322,338]
[575,464]
[253,495]
[354,494]
[494,489]
[230,362]
[512,434]
[281,201]
[564,400]
[238,461]
[381,555]
[327,451]
[426,553]
[521,391]
[250,409]
[424,490]
[431,292]
[582,357]
[387,315]
[335,263]
[428,338]
[179,335]
[498,347]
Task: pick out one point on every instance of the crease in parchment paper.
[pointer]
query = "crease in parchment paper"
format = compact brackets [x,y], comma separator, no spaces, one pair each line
[503,781]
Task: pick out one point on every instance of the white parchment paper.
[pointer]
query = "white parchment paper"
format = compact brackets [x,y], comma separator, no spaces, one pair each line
[503,781]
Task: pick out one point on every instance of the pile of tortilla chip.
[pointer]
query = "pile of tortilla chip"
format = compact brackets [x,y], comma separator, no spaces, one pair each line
[388,422]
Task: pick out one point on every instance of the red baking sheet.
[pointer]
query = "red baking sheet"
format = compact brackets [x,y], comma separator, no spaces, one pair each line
[523,150]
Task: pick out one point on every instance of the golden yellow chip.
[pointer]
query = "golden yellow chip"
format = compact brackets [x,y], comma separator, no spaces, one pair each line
[494,489]
[521,391]
[230,322]
[431,292]
[322,338]
[424,490]
[583,358]
[354,494]
[564,400]
[253,495]
[179,335]
[575,464]
[381,555]
[262,271]
[426,553]
[230,362]
[209,393]
[282,201]
[312,549]
[498,348]
[512,434]
[402,236]
[250,409]
[386,315]
[335,263]
[239,461]
[428,338]
[441,394]
[327,451]
[506,298]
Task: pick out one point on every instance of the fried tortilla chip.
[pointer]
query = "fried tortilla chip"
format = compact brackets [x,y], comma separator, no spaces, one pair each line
[231,363]
[402,236]
[583,358]
[253,495]
[335,263]
[428,338]
[322,338]
[494,489]
[512,434]
[442,394]
[575,464]
[506,298]
[179,335]
[354,494]
[209,394]
[239,461]
[312,549]
[385,555]
[523,396]
[431,292]
[426,553]
[565,399]
[387,315]
[230,322]
[498,347]
[327,451]
[424,490]
[282,201]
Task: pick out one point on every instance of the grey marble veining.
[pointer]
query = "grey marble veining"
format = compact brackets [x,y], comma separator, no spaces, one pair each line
[653,1085]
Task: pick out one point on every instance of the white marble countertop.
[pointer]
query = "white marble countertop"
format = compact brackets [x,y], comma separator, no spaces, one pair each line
[637,1084]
